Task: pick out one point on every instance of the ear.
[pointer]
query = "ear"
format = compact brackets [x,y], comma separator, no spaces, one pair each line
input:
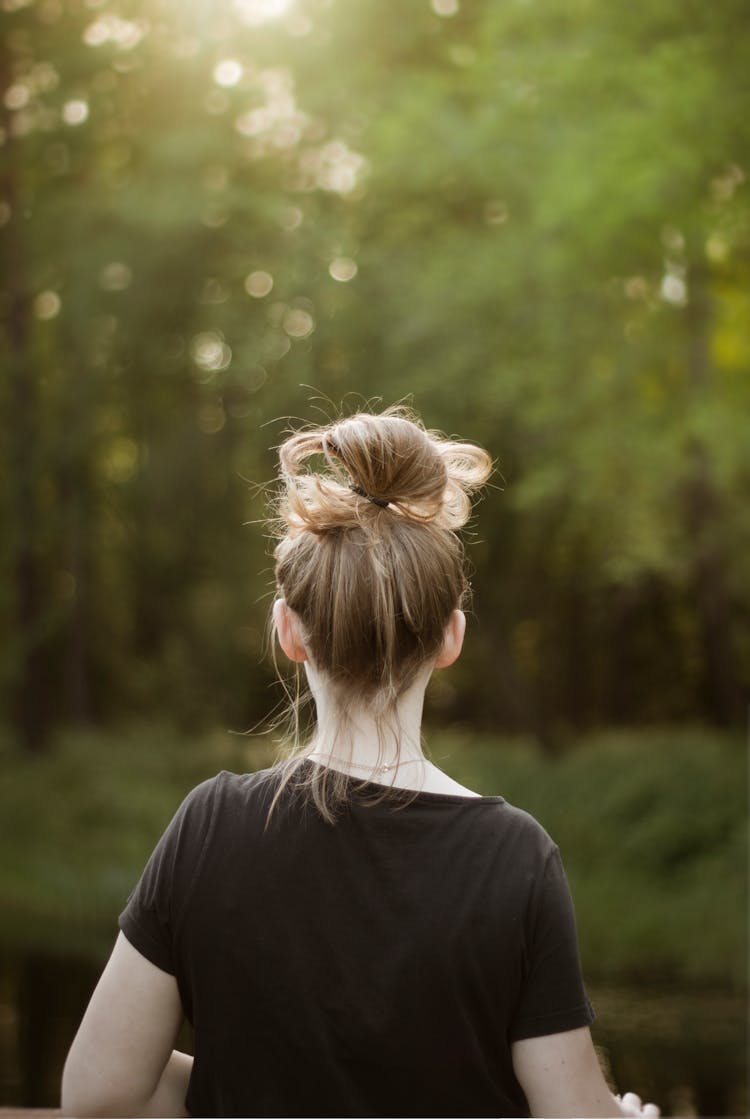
[289,631]
[453,640]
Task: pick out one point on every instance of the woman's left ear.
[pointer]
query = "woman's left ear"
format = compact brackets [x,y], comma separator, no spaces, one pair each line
[288,631]
[453,639]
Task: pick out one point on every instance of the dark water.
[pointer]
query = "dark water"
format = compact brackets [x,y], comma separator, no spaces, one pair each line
[684,1049]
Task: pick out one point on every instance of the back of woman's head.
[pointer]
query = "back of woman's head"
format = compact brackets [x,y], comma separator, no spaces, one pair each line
[369,559]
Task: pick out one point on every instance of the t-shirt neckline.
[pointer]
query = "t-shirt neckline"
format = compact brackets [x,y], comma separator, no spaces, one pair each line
[415,796]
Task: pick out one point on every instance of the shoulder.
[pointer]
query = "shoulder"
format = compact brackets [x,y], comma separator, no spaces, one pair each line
[521,831]
[226,786]
[210,812]
[228,795]
[522,822]
[196,813]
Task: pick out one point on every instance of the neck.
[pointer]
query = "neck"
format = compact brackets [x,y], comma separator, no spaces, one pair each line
[363,741]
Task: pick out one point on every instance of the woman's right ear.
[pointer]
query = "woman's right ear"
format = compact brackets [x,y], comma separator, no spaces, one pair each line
[289,631]
[453,640]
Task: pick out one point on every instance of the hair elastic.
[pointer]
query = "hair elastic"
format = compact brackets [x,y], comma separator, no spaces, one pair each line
[363,493]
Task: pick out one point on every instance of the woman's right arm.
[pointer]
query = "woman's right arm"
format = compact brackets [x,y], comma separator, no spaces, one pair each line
[561,1077]
[122,1060]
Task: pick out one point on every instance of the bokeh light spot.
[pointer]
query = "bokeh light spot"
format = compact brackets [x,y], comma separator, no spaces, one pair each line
[228,72]
[75,112]
[298,323]
[109,28]
[256,12]
[332,167]
[445,8]
[16,96]
[210,352]
[47,305]
[343,268]
[258,284]
[674,290]
[115,276]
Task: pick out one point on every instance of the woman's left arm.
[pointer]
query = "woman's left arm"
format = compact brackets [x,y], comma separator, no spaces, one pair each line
[122,1061]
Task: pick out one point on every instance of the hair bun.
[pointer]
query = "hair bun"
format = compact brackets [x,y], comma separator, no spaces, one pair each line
[378,465]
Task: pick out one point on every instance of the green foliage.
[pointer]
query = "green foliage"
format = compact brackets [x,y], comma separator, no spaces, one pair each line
[542,215]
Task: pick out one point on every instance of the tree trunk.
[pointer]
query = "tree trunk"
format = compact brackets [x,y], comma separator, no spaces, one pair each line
[703,515]
[30,711]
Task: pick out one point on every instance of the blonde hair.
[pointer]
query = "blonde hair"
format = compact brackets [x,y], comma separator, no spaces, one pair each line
[369,559]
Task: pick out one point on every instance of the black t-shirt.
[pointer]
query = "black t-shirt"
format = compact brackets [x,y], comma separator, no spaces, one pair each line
[380,966]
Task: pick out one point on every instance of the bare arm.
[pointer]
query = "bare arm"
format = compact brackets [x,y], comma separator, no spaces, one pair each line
[122,1061]
[561,1076]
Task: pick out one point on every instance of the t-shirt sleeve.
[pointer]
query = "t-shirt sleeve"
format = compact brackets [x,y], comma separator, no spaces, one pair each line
[153,910]
[553,998]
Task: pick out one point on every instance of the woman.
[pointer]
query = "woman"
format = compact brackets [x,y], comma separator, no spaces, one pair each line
[351,932]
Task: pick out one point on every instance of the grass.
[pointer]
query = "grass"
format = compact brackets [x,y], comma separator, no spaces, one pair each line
[651,824]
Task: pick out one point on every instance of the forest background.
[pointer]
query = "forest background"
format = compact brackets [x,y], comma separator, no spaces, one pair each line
[529,219]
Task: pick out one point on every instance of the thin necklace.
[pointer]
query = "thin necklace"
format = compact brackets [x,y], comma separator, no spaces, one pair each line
[378,769]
